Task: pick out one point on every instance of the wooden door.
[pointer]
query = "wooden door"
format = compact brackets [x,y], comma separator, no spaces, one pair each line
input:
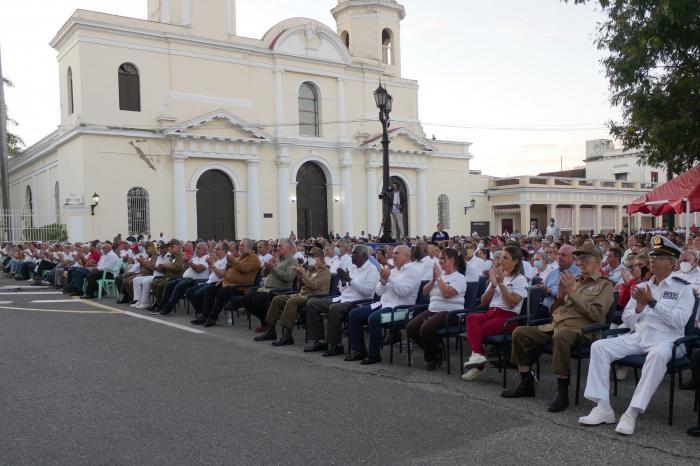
[216,212]
[312,202]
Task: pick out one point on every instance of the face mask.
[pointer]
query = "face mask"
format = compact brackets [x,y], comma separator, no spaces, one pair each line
[538,264]
[686,267]
[336,251]
[311,262]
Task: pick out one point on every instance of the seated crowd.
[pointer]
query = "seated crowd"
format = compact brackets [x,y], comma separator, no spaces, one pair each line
[641,285]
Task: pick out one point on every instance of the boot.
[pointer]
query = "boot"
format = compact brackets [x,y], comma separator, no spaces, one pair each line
[270,334]
[526,387]
[561,402]
[286,339]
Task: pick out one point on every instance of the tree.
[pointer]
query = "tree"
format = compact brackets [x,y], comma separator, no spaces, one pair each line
[654,73]
[14,142]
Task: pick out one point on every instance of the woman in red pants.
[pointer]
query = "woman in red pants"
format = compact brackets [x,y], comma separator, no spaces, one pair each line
[504,296]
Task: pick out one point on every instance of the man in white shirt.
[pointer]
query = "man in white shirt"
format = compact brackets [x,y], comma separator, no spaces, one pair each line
[475,269]
[197,272]
[341,259]
[397,287]
[358,284]
[689,270]
[109,263]
[658,312]
[553,230]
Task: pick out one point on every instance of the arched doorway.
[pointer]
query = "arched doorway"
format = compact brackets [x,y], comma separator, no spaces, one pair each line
[406,210]
[312,201]
[216,211]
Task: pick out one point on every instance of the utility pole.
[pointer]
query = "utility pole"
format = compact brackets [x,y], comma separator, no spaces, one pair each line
[4,176]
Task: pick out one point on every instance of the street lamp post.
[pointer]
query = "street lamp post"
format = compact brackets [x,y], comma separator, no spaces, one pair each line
[384,103]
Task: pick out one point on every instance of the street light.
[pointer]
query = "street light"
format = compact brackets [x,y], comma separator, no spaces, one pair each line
[95,200]
[467,207]
[384,103]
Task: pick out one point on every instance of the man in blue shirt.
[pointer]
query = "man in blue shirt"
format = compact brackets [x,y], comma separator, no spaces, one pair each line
[566,262]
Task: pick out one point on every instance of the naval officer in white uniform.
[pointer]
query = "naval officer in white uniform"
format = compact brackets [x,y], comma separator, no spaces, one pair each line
[657,314]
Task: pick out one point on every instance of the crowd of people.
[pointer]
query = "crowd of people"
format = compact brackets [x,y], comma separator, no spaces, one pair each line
[341,285]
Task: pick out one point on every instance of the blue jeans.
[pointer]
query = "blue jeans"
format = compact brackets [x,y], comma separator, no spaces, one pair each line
[196,296]
[356,320]
[174,290]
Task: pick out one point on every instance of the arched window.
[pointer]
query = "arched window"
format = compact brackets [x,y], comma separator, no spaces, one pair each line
[129,88]
[308,111]
[345,37]
[138,211]
[444,210]
[57,202]
[387,47]
[69,84]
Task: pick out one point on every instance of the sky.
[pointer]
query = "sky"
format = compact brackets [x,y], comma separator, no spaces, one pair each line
[520,80]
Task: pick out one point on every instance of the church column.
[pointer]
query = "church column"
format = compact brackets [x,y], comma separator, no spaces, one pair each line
[341,109]
[422,201]
[576,221]
[551,212]
[279,103]
[283,191]
[346,180]
[598,218]
[179,204]
[372,199]
[253,200]
[619,218]
[165,9]
[186,12]
[524,218]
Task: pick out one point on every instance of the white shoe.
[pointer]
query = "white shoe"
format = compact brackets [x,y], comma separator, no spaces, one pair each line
[471,374]
[135,304]
[626,425]
[597,416]
[621,373]
[475,359]
[142,306]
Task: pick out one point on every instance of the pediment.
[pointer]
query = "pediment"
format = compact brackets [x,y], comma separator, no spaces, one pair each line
[218,125]
[402,140]
[303,37]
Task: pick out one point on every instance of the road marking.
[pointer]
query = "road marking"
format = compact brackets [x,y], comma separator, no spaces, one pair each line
[140,316]
[63,311]
[31,292]
[5,302]
[53,301]
[24,287]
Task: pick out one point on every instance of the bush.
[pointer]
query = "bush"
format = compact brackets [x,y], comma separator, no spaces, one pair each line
[51,232]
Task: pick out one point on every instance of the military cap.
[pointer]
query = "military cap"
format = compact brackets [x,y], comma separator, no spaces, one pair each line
[590,249]
[662,246]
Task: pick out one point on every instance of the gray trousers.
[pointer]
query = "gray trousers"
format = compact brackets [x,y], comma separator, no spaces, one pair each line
[397,225]
[315,309]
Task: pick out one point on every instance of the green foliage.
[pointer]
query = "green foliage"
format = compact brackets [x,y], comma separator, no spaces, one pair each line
[52,232]
[14,142]
[654,72]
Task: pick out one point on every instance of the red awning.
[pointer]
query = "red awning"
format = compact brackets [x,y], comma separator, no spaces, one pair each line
[670,197]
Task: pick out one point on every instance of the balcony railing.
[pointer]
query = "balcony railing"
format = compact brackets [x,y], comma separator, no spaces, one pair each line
[542,181]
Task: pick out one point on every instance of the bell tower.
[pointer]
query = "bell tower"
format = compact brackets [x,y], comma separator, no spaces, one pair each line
[371,29]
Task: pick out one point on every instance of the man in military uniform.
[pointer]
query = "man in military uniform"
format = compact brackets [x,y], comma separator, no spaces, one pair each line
[283,308]
[171,269]
[658,312]
[579,302]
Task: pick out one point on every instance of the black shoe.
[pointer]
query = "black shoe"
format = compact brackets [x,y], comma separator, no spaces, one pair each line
[287,339]
[152,307]
[694,431]
[270,334]
[356,356]
[525,389]
[122,301]
[75,293]
[334,350]
[368,361]
[316,346]
[391,338]
[85,296]
[198,322]
[165,312]
[687,385]
[561,402]
[210,323]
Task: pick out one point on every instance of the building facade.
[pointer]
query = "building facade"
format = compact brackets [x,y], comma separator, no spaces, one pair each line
[182,126]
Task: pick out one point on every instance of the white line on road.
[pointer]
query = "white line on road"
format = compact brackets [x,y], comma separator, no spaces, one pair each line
[31,292]
[54,301]
[140,316]
[5,302]
[60,311]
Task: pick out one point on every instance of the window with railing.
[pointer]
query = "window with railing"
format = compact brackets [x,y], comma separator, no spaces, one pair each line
[444,210]
[138,211]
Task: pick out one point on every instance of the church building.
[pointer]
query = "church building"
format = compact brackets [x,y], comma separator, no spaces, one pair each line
[182,126]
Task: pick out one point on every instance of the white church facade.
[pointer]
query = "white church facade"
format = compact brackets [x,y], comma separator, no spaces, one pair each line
[182,126]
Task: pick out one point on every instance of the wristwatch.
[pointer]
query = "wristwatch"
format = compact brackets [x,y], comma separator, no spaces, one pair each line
[652,303]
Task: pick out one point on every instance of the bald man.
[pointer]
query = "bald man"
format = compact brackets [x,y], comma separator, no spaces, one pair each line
[566,262]
[397,287]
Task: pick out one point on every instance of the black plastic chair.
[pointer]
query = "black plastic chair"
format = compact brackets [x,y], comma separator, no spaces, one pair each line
[675,365]
[235,302]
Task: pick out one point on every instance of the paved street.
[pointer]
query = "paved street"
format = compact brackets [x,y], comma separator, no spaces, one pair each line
[88,384]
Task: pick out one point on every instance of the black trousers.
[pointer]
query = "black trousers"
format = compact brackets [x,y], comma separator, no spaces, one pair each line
[215,298]
[92,278]
[257,304]
[695,367]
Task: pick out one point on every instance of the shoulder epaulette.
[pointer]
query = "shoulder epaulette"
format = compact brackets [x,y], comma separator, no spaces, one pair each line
[685,282]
